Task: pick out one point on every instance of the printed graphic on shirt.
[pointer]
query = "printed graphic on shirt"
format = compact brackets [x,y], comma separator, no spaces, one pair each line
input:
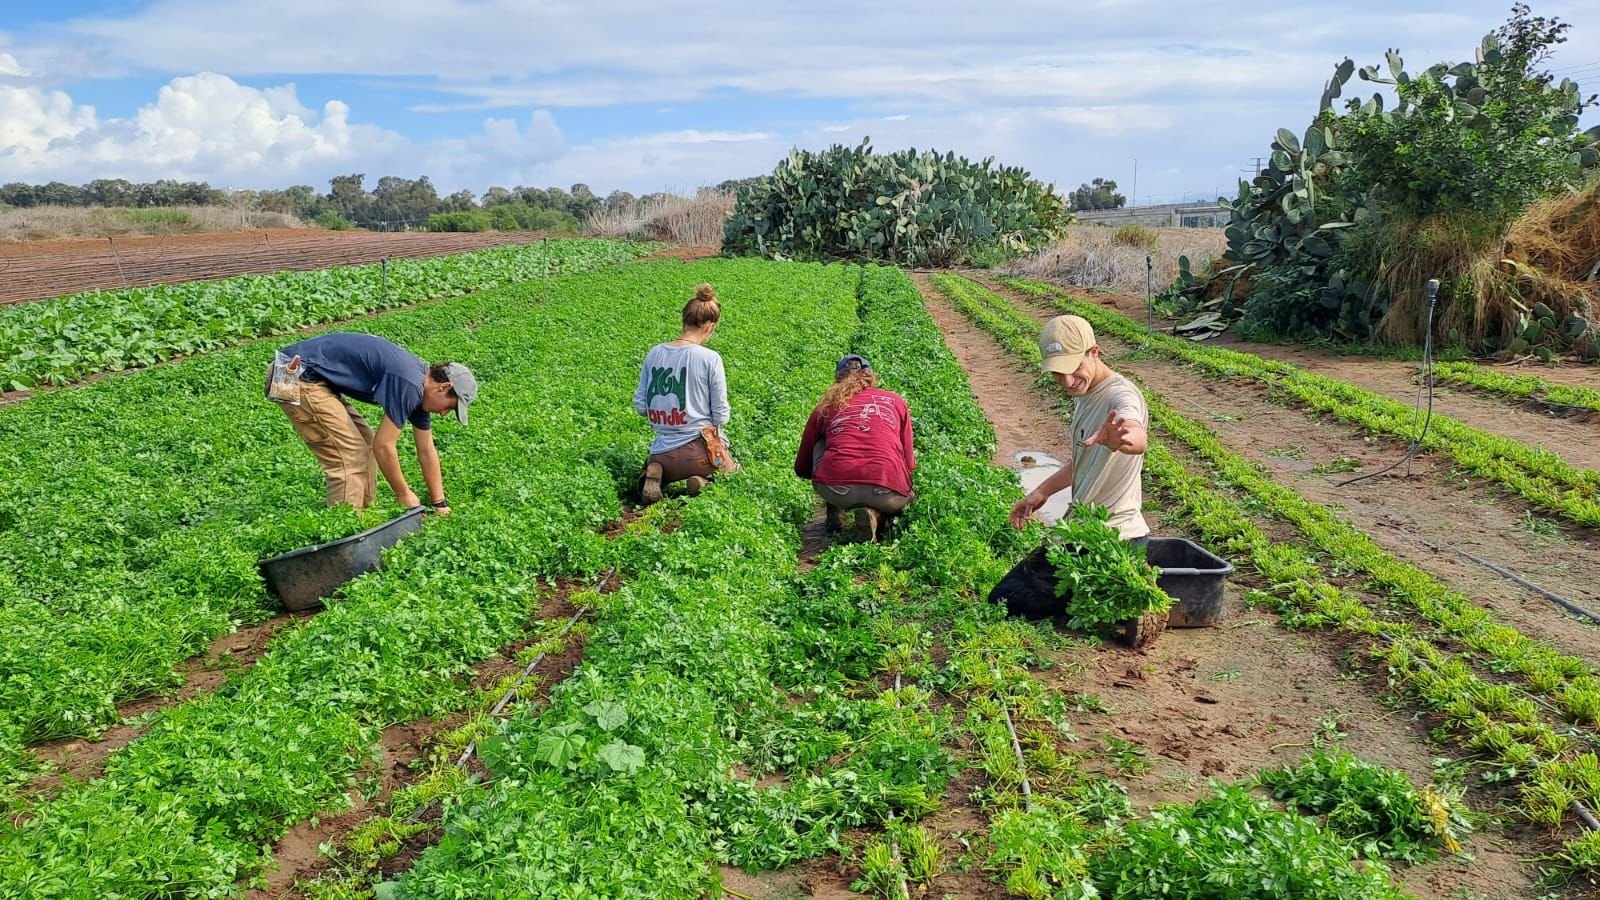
[664,383]
[861,418]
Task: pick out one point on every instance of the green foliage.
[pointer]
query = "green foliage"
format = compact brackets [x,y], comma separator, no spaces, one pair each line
[214,780]
[1135,235]
[1516,385]
[1375,808]
[333,220]
[1100,194]
[1234,847]
[1489,136]
[53,342]
[1316,234]
[1107,578]
[1042,852]
[904,207]
[473,220]
[515,216]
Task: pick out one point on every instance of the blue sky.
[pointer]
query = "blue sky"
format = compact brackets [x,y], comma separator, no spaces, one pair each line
[650,96]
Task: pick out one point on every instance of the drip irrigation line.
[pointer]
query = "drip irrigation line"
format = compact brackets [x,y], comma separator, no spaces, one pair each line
[1016,745]
[1426,385]
[511,692]
[1585,816]
[1553,597]
[118,255]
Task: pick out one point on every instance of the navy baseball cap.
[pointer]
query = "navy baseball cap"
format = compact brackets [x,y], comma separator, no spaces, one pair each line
[853,361]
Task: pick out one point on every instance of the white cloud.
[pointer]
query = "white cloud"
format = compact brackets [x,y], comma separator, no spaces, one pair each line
[203,126]
[9,67]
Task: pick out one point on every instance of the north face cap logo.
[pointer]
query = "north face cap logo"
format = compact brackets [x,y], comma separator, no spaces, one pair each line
[1054,347]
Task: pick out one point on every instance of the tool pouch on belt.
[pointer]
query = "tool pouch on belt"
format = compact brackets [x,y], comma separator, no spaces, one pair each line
[716,450]
[283,379]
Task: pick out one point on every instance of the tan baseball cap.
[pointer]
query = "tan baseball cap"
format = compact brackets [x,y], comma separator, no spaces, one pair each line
[1063,342]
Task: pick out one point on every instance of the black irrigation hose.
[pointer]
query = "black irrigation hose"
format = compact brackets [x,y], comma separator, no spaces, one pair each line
[1553,597]
[1427,384]
[1585,816]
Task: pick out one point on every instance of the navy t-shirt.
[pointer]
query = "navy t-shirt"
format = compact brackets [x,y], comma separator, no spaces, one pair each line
[370,369]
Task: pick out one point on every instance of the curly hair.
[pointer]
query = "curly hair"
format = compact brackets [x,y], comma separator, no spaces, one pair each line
[851,383]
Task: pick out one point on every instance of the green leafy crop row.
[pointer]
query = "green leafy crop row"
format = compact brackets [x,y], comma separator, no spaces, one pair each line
[53,342]
[1536,474]
[1512,384]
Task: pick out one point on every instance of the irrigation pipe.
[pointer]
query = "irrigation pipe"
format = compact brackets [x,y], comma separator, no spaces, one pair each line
[1553,597]
[1016,745]
[118,255]
[1585,816]
[894,845]
[511,692]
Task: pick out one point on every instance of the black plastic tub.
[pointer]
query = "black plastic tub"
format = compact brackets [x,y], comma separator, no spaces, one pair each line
[301,578]
[1193,576]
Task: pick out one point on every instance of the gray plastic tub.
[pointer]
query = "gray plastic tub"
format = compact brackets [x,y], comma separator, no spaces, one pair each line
[1194,577]
[301,578]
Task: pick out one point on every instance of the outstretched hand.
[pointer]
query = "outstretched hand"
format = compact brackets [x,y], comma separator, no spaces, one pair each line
[1115,434]
[1023,510]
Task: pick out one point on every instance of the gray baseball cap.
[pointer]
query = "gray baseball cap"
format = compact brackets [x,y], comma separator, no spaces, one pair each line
[465,385]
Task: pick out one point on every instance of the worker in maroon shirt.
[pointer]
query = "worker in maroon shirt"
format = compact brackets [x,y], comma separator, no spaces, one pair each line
[857,450]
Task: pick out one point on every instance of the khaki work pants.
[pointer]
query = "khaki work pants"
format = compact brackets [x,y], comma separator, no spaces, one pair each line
[341,439]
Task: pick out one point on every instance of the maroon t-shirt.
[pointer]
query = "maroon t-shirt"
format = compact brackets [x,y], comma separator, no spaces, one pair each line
[867,442]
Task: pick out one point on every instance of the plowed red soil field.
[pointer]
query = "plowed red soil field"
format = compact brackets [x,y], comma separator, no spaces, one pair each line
[37,269]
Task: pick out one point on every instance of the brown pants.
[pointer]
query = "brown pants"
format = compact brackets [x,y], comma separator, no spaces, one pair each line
[341,440]
[689,460]
[855,496]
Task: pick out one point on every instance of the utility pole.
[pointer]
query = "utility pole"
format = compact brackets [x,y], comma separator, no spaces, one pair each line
[1134,194]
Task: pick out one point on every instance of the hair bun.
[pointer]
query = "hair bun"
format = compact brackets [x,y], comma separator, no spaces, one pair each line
[705,293]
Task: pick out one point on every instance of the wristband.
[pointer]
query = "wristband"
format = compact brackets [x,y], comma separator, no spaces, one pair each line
[441,502]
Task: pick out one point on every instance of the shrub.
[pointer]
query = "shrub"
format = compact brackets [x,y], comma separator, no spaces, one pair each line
[1135,235]
[905,207]
[332,220]
[476,220]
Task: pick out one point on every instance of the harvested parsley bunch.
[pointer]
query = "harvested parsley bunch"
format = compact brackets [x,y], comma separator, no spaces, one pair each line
[1108,579]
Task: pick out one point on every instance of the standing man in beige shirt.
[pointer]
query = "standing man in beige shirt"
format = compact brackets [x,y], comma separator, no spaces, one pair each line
[1109,437]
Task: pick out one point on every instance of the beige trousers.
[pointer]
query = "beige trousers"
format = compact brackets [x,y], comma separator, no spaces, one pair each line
[341,440]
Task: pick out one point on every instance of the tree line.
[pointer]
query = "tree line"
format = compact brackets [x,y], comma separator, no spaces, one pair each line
[392,204]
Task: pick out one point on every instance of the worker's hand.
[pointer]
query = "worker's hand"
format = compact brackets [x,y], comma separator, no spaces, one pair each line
[441,509]
[1024,510]
[1114,434]
[408,500]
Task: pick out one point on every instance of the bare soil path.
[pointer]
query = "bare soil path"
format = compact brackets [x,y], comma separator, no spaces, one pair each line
[39,269]
[1227,701]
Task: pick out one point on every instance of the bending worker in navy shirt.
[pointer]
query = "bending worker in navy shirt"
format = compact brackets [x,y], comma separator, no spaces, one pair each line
[373,370]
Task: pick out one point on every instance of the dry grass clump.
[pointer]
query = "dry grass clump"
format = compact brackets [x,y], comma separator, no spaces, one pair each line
[41,223]
[685,221]
[1093,256]
[1550,254]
